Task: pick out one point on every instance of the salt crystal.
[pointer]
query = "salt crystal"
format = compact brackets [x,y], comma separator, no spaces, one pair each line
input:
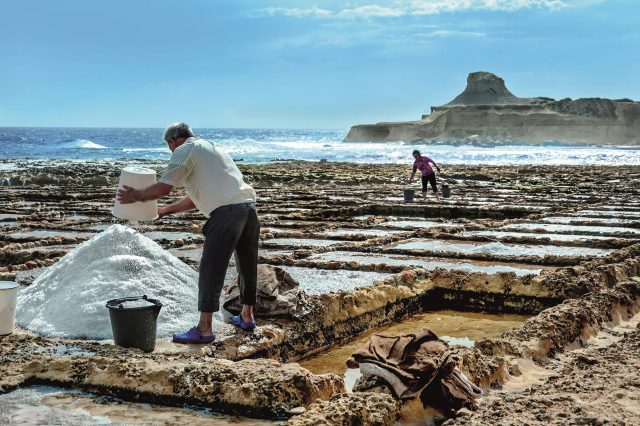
[69,298]
[140,303]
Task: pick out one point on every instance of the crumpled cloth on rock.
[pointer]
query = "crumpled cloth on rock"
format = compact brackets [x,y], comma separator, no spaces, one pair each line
[277,295]
[417,365]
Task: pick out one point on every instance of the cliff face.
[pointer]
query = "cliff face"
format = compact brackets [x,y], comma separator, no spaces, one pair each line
[486,110]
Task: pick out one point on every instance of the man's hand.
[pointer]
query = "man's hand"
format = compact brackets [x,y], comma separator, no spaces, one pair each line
[126,195]
[163,211]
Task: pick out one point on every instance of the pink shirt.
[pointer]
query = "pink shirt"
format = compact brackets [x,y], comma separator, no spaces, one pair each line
[423,165]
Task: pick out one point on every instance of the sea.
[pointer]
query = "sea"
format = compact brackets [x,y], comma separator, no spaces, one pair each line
[269,145]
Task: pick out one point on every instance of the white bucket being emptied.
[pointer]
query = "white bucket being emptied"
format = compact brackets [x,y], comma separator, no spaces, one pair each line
[137,178]
[8,298]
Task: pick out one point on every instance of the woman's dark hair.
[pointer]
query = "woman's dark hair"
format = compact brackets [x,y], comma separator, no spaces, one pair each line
[415,151]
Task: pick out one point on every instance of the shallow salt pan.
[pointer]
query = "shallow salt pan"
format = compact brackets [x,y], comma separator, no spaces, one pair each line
[44,405]
[416,223]
[552,237]
[47,234]
[497,248]
[548,227]
[428,264]
[371,232]
[582,219]
[68,299]
[320,281]
[301,242]
[617,213]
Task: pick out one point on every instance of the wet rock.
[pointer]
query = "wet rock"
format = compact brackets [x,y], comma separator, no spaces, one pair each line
[356,409]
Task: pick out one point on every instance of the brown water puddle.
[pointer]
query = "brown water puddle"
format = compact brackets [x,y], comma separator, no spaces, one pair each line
[458,328]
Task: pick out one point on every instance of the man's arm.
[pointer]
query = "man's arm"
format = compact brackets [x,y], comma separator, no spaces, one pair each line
[128,195]
[183,205]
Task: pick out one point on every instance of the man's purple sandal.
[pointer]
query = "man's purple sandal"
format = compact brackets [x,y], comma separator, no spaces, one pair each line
[246,326]
[192,335]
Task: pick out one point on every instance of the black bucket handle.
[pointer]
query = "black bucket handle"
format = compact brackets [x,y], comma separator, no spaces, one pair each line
[117,303]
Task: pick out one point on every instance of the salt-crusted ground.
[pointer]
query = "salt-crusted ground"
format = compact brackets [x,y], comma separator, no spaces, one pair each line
[574,361]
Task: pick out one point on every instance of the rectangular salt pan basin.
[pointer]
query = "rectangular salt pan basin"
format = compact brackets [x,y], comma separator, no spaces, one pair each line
[371,232]
[580,219]
[497,248]
[548,227]
[47,234]
[168,235]
[300,242]
[618,213]
[552,237]
[416,223]
[321,281]
[428,264]
[45,405]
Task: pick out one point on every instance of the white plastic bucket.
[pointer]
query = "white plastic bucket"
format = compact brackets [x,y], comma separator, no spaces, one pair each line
[8,298]
[137,178]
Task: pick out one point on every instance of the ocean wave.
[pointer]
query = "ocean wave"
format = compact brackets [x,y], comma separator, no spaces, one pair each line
[85,144]
[157,149]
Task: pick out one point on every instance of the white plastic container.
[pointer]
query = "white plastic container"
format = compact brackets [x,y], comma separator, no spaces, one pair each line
[8,298]
[137,178]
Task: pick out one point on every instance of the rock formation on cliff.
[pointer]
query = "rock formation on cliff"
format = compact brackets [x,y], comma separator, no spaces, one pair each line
[486,111]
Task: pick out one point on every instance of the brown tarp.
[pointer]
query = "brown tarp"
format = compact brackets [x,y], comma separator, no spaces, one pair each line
[418,364]
[277,294]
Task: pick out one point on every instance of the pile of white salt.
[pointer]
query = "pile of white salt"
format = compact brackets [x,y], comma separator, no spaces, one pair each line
[69,298]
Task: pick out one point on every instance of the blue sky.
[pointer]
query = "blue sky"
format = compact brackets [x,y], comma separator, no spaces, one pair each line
[299,64]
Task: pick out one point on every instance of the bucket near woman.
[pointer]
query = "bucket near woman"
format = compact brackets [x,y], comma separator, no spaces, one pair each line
[446,191]
[408,194]
[134,321]
[8,298]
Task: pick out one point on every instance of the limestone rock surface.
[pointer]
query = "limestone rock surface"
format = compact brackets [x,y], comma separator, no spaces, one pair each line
[486,112]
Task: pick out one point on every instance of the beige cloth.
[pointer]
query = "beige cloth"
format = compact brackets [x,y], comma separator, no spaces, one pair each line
[209,175]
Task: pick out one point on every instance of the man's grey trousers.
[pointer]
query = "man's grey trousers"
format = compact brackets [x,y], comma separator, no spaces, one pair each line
[230,228]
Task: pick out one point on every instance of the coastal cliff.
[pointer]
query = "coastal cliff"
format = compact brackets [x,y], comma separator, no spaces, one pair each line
[486,111]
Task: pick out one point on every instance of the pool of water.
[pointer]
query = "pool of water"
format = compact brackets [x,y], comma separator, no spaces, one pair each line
[301,242]
[368,232]
[416,223]
[47,234]
[552,237]
[9,217]
[43,405]
[552,227]
[611,211]
[321,281]
[584,219]
[496,248]
[425,262]
[171,236]
[457,328]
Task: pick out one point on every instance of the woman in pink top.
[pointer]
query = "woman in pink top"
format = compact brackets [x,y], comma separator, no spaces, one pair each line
[423,163]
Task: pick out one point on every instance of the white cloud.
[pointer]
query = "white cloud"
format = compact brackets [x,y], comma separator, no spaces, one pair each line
[296,12]
[399,8]
[449,33]
[370,11]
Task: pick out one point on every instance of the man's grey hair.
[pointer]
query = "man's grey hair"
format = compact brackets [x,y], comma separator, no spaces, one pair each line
[177,131]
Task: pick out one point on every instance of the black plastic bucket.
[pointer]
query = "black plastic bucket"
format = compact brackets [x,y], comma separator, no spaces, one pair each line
[134,326]
[408,195]
[446,191]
